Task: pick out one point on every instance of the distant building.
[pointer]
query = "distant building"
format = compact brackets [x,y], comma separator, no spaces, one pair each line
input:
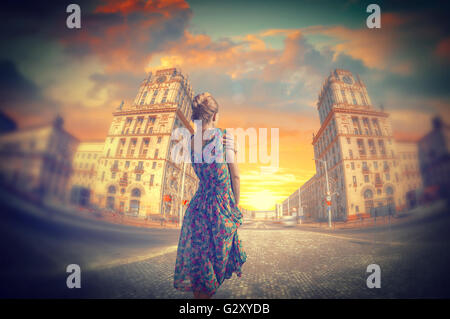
[38,160]
[135,174]
[408,175]
[434,157]
[356,147]
[84,168]
[6,124]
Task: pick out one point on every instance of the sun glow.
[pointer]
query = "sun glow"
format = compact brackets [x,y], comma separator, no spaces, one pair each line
[263,200]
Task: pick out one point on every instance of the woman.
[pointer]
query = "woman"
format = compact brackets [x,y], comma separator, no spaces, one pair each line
[209,249]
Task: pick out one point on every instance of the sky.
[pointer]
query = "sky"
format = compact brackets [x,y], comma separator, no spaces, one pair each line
[264,62]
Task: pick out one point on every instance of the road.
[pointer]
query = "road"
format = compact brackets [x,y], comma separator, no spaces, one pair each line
[297,262]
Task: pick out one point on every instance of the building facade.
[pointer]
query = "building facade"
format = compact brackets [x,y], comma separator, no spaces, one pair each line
[135,173]
[84,172]
[410,179]
[355,147]
[38,161]
[434,157]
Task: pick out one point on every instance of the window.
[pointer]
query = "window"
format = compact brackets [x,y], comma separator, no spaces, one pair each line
[134,207]
[154,165]
[357,208]
[136,192]
[103,176]
[127,125]
[356,126]
[375,165]
[137,126]
[388,177]
[132,147]
[348,140]
[121,146]
[113,175]
[377,179]
[381,146]
[376,125]
[352,165]
[143,98]
[368,194]
[365,167]
[159,139]
[350,152]
[140,165]
[344,97]
[366,179]
[372,149]
[363,99]
[127,164]
[389,190]
[144,147]
[156,153]
[361,147]
[354,181]
[138,177]
[367,128]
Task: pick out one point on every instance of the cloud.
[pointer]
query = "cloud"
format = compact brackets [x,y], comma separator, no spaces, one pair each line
[19,95]
[443,49]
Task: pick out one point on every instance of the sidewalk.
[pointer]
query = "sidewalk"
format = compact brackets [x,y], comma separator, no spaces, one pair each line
[382,221]
[116,218]
[47,209]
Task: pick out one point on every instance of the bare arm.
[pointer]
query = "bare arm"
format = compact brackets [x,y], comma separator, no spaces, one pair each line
[231,153]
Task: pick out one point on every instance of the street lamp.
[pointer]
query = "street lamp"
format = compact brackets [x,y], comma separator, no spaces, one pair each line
[300,208]
[328,190]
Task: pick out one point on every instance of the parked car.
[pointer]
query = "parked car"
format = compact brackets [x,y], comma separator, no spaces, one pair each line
[289,221]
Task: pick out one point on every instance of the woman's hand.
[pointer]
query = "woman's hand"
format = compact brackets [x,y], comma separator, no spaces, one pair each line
[228,142]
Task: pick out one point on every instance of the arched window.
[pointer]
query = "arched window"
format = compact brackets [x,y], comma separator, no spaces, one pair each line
[111,190]
[389,190]
[136,192]
[368,194]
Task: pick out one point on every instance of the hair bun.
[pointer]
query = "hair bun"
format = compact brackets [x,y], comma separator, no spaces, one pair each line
[204,106]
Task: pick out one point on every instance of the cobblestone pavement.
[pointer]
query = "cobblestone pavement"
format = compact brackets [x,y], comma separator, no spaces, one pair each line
[294,263]
[297,262]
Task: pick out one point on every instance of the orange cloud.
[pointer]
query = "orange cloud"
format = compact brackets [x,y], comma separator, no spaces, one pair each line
[443,49]
[164,7]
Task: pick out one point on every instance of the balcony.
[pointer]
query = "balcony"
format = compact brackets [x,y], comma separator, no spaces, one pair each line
[123,182]
[114,169]
[365,170]
[378,183]
[139,170]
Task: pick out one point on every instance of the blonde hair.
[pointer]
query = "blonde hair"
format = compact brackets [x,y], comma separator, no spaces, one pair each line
[204,107]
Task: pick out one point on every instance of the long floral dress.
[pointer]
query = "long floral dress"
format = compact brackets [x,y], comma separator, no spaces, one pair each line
[209,248]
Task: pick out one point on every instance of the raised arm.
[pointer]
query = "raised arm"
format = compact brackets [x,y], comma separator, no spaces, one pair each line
[231,153]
